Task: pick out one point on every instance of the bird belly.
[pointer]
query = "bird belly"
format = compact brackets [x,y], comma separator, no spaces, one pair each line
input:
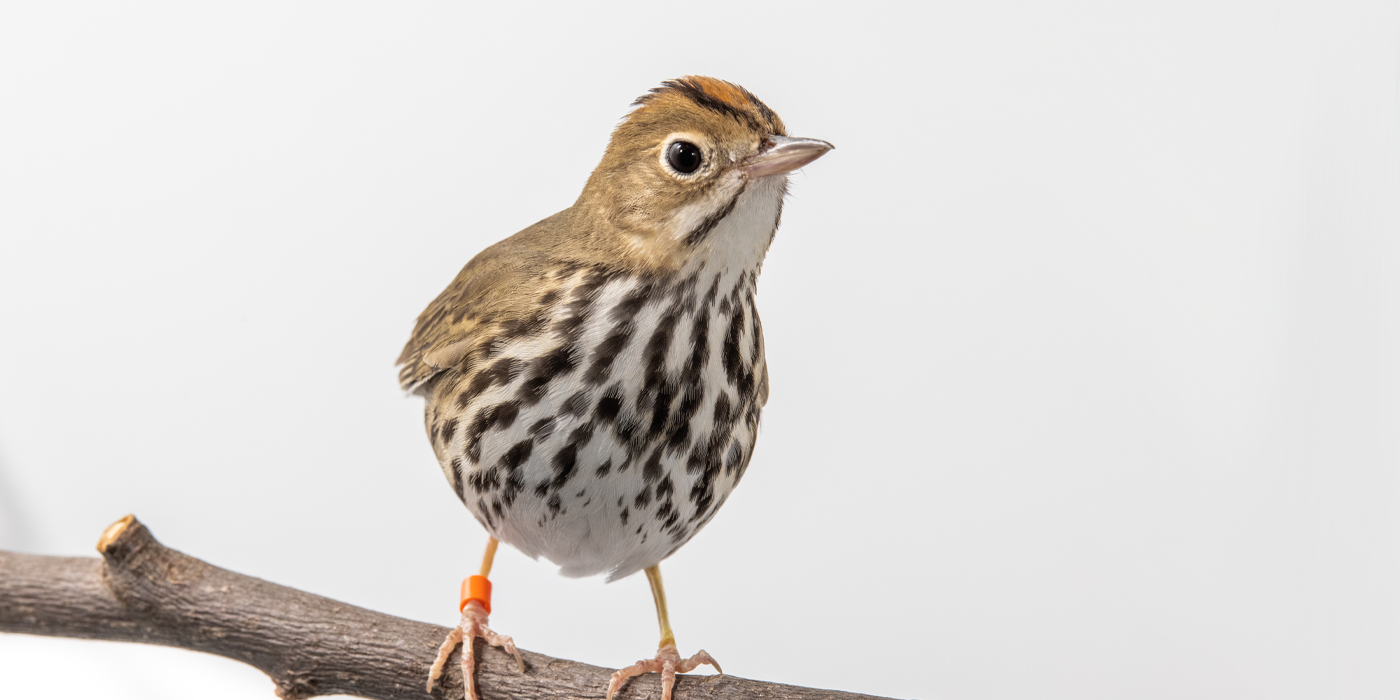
[606,441]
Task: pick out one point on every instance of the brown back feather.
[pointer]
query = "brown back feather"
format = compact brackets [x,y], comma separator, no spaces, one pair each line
[494,289]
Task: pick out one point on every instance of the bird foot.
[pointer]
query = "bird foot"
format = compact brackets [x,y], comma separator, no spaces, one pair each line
[473,625]
[668,663]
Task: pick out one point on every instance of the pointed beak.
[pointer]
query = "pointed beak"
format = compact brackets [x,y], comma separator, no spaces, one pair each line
[781,154]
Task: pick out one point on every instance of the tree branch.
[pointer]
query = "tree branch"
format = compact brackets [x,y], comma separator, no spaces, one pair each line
[142,591]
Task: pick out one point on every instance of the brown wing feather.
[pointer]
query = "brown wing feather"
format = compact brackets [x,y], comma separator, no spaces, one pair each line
[760,362]
[491,291]
[502,286]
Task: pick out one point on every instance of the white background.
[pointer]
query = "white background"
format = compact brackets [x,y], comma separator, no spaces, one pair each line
[1084,341]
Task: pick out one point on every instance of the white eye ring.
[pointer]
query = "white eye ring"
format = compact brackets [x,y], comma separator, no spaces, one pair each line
[684,157]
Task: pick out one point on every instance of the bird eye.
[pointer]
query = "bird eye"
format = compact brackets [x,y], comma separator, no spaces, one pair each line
[684,157]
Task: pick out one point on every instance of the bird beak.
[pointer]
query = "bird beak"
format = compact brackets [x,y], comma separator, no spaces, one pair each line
[781,154]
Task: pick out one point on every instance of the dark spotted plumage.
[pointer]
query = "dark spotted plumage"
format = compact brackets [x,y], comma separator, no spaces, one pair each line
[594,383]
[540,417]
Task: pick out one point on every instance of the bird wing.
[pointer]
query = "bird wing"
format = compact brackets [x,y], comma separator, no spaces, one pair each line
[760,364]
[490,292]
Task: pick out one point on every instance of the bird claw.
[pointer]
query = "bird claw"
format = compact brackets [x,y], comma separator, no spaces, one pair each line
[473,625]
[668,663]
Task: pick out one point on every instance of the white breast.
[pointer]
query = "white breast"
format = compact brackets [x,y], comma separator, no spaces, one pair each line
[621,505]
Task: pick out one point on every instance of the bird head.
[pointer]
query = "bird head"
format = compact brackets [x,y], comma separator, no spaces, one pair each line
[680,162]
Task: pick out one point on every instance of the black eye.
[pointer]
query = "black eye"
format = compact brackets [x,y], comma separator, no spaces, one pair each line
[684,157]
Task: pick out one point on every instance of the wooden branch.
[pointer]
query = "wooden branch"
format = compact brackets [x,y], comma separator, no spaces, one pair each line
[142,591]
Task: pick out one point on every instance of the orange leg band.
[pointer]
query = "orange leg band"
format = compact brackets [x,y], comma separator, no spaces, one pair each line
[476,588]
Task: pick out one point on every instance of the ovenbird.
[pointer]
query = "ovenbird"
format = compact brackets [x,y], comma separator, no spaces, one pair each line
[593,383]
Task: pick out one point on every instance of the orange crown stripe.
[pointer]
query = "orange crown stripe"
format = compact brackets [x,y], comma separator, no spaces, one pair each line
[721,90]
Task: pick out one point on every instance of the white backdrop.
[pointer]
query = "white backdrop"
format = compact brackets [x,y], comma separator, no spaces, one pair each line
[1084,340]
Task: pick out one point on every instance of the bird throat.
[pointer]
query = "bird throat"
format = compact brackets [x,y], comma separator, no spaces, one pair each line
[735,235]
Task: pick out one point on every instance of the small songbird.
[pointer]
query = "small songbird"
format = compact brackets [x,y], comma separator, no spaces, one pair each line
[594,382]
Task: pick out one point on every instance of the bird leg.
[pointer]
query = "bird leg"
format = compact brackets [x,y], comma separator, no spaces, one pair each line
[668,661]
[476,608]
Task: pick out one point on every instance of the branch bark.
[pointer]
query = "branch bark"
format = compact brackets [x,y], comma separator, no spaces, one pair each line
[141,591]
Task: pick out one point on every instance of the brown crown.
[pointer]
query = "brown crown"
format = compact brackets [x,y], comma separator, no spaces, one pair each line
[711,94]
